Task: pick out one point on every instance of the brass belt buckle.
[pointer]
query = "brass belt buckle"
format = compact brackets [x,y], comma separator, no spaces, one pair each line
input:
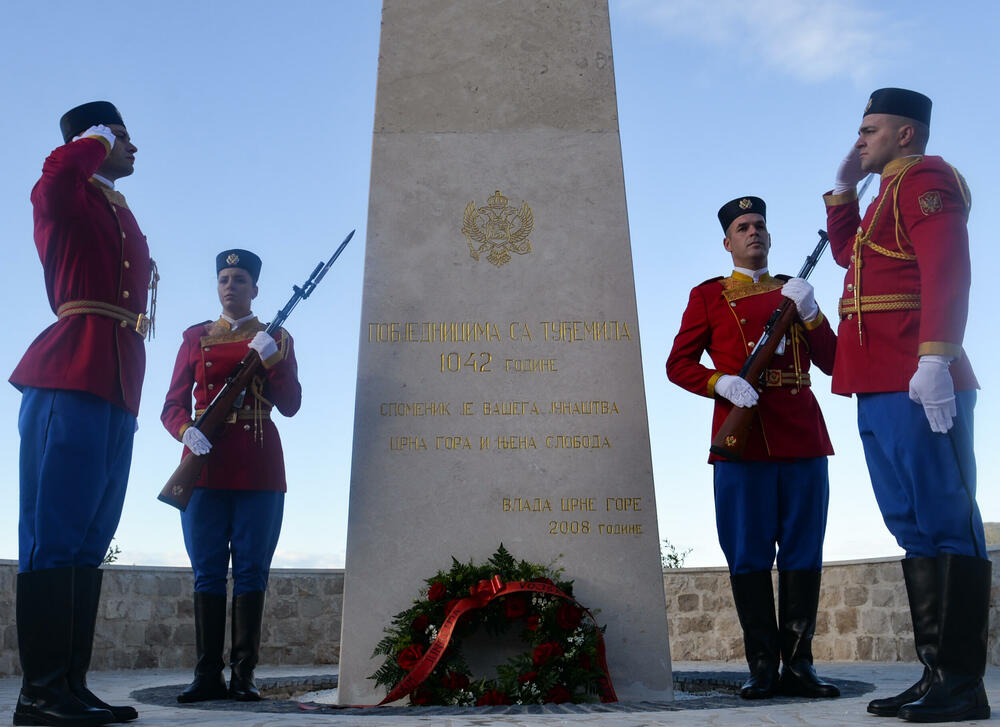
[142,325]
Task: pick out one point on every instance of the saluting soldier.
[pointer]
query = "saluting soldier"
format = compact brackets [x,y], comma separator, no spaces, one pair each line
[80,382]
[903,312]
[236,508]
[776,496]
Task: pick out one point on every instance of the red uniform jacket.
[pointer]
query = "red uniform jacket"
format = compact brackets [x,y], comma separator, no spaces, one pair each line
[726,317]
[912,282]
[247,454]
[91,249]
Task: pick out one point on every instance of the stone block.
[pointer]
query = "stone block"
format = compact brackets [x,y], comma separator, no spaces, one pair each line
[822,622]
[856,595]
[711,583]
[158,634]
[846,620]
[876,622]
[687,602]
[883,596]
[311,607]
[696,624]
[885,649]
[845,649]
[168,586]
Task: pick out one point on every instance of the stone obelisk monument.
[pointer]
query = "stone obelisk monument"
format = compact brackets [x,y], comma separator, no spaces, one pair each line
[500,392]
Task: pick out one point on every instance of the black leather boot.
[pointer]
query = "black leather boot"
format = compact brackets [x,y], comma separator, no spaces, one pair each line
[248,612]
[754,598]
[956,691]
[798,599]
[45,637]
[210,637]
[86,599]
[923,593]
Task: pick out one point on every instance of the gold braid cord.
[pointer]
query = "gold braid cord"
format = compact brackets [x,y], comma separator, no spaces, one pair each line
[863,238]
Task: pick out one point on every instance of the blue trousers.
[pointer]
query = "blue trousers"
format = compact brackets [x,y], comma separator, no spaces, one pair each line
[76,450]
[925,483]
[761,506]
[239,524]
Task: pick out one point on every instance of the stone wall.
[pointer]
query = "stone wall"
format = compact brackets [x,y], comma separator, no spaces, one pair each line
[146,617]
[863,613]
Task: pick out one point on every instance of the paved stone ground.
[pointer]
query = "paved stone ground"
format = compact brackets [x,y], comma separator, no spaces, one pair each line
[152,691]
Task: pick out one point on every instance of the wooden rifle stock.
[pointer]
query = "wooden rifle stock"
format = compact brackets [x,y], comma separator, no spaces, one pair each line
[179,488]
[731,439]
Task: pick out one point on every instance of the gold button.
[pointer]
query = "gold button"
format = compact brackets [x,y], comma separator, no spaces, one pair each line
[852,258]
[208,348]
[733,305]
[124,294]
[850,287]
[794,392]
[246,427]
[124,324]
[743,321]
[123,235]
[127,264]
[246,408]
[208,364]
[750,345]
[211,386]
[860,230]
[850,316]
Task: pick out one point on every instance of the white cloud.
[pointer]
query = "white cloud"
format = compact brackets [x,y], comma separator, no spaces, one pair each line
[802,39]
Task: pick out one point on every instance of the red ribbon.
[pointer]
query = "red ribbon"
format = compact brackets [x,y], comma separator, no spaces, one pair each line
[480,595]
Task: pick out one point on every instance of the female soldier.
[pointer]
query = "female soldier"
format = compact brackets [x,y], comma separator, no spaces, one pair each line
[235,511]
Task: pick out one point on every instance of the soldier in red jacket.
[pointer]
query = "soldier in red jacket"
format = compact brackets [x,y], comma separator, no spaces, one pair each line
[903,312]
[236,509]
[80,381]
[778,494]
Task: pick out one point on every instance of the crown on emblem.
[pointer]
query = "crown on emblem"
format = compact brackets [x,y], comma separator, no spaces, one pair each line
[497,200]
[745,204]
[233,258]
[869,104]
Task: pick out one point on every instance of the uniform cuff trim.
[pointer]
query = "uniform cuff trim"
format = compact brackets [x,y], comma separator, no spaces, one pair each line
[184,427]
[815,322]
[711,383]
[939,348]
[273,359]
[834,200]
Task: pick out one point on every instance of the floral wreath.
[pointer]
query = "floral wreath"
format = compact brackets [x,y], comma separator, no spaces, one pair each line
[564,661]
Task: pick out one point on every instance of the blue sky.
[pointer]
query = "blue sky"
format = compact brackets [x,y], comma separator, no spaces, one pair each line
[254,130]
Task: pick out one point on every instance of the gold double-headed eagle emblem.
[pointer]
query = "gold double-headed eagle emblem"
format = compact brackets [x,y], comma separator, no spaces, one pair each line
[497,230]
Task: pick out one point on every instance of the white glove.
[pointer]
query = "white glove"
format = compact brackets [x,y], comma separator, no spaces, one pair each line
[801,293]
[99,130]
[196,441]
[264,345]
[737,390]
[932,387]
[849,173]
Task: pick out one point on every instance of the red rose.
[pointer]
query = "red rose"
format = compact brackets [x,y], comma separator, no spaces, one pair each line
[437,591]
[544,652]
[515,607]
[421,697]
[420,623]
[568,616]
[527,677]
[558,694]
[491,698]
[532,622]
[455,681]
[409,656]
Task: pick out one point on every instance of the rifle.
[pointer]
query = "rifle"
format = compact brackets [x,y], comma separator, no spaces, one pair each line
[731,438]
[179,488]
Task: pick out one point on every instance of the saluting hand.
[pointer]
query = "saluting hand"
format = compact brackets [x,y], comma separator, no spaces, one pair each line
[800,292]
[737,390]
[849,173]
[196,441]
[931,386]
[98,130]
